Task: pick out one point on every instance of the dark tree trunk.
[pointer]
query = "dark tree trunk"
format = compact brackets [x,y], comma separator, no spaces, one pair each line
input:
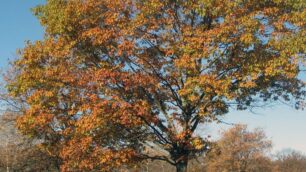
[182,166]
[180,155]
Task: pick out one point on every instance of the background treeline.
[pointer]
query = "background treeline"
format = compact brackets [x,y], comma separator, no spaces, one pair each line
[238,149]
[19,153]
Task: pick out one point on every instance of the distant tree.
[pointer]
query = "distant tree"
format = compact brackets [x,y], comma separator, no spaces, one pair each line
[291,161]
[111,77]
[240,150]
[21,154]
[9,143]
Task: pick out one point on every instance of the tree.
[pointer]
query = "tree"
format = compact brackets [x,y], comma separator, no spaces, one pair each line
[112,78]
[8,151]
[291,161]
[241,150]
[18,153]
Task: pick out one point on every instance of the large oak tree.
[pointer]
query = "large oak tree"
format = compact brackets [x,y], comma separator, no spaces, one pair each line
[113,79]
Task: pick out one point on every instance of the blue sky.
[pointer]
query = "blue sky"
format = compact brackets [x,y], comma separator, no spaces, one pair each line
[284,125]
[17,25]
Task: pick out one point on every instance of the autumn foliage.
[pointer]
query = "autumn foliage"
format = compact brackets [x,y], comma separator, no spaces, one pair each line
[112,78]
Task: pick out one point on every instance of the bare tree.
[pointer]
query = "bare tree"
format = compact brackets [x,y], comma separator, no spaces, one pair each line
[19,153]
[291,160]
[240,150]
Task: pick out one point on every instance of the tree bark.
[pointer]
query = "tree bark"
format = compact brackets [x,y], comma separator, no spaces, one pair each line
[182,166]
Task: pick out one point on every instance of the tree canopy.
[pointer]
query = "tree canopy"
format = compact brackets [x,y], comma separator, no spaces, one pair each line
[113,78]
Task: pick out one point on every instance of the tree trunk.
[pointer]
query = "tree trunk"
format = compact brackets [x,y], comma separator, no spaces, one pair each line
[182,166]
